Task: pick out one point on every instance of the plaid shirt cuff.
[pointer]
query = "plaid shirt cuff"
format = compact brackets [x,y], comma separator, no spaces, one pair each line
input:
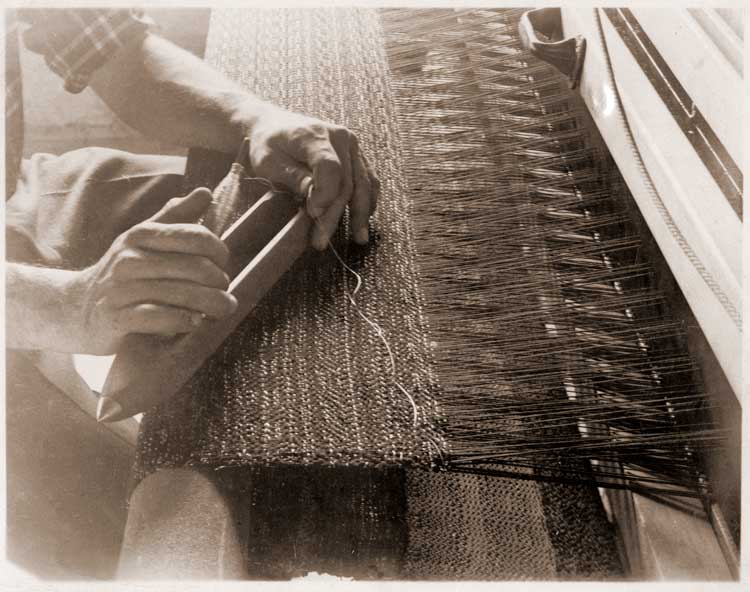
[75,42]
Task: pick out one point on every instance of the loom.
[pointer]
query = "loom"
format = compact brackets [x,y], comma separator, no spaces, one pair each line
[510,273]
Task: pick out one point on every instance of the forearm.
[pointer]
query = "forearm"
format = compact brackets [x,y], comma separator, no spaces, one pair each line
[171,95]
[38,311]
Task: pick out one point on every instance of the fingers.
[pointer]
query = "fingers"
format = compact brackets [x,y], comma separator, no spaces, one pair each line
[360,208]
[326,225]
[293,149]
[364,196]
[137,264]
[327,217]
[188,239]
[211,302]
[327,173]
[184,209]
[374,183]
[157,319]
[345,144]
[326,155]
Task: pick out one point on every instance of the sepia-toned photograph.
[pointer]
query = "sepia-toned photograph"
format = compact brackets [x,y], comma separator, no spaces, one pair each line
[374,294]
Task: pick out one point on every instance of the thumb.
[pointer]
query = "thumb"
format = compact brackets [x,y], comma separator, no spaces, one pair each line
[186,209]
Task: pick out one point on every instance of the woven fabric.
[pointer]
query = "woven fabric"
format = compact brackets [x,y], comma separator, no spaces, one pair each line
[395,524]
[304,379]
[304,382]
[475,527]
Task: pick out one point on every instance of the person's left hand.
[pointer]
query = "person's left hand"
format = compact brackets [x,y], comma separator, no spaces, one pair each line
[295,151]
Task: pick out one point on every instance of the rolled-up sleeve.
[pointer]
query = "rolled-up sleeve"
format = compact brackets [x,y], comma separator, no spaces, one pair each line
[75,42]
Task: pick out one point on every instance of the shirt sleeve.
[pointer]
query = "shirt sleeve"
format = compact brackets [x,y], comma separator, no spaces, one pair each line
[75,42]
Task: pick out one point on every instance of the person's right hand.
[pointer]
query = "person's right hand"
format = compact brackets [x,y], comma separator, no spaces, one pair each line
[163,276]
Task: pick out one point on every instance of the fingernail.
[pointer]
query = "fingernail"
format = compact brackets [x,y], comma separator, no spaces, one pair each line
[233,303]
[362,236]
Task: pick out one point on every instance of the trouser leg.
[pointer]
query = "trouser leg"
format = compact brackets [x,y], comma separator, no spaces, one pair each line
[67,476]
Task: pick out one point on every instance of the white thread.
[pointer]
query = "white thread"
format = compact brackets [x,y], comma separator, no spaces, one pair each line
[375,327]
[350,295]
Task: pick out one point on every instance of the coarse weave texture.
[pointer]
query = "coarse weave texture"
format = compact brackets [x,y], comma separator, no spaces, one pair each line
[304,382]
[512,244]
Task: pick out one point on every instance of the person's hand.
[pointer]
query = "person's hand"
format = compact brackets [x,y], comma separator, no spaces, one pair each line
[162,276]
[295,151]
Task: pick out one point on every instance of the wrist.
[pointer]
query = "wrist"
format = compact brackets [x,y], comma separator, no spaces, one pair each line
[43,308]
[247,115]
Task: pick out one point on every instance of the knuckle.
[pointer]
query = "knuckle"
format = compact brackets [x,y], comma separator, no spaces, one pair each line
[213,301]
[220,302]
[219,278]
[210,274]
[124,263]
[173,202]
[300,134]
[137,234]
[198,232]
[199,237]
[224,255]
[229,303]
[318,128]
[219,250]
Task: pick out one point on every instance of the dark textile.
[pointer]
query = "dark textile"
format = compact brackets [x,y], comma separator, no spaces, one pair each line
[304,380]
